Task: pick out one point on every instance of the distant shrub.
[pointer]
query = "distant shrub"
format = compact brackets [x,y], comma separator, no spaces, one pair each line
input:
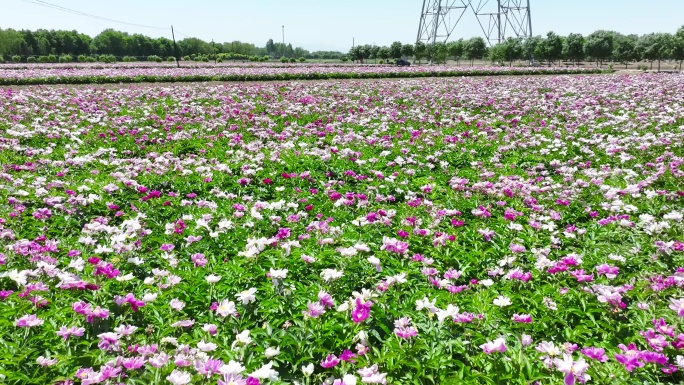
[107,58]
[43,59]
[65,59]
[91,59]
[293,60]
[219,60]
[302,59]
[344,59]
[16,58]
[170,58]
[283,59]
[82,58]
[31,59]
[381,61]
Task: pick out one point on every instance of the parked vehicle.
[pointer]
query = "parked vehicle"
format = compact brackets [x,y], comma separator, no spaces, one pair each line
[403,63]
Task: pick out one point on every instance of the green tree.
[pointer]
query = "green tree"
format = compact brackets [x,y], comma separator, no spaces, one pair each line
[384,53]
[407,50]
[270,48]
[530,47]
[541,51]
[573,47]
[513,49]
[10,42]
[655,47]
[419,50]
[440,53]
[599,46]
[625,49]
[475,48]
[111,42]
[373,50]
[395,50]
[497,53]
[553,45]
[455,49]
[678,46]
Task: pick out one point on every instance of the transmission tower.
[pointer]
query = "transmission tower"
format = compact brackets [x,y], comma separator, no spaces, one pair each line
[498,19]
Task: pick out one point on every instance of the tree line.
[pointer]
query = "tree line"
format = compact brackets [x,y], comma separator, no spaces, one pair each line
[23,44]
[600,46]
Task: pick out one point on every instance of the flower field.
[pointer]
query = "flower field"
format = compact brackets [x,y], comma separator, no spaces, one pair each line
[507,230]
[149,73]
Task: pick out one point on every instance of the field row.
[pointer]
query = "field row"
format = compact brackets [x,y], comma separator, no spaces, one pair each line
[95,75]
[508,230]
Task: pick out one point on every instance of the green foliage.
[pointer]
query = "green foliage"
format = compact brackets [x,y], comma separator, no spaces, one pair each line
[553,45]
[573,47]
[16,58]
[66,59]
[445,72]
[655,46]
[106,58]
[456,49]
[510,50]
[407,50]
[395,50]
[418,51]
[475,48]
[599,45]
[625,49]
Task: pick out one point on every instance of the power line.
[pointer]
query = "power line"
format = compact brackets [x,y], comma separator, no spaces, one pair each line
[75,12]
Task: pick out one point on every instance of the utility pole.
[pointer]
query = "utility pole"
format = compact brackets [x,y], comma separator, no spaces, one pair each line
[175,47]
[498,22]
[284,41]
[529,18]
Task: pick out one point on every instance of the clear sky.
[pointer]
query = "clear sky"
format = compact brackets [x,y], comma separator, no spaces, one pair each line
[326,24]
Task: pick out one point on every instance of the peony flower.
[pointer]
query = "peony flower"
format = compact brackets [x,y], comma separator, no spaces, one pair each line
[502,301]
[226,308]
[498,345]
[266,371]
[330,361]
[247,296]
[572,369]
[206,346]
[29,321]
[308,370]
[315,310]
[178,377]
[271,352]
[232,368]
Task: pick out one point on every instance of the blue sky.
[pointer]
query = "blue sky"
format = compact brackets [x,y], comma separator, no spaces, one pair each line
[327,24]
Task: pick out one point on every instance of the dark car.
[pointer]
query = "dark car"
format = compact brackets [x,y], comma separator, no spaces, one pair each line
[403,63]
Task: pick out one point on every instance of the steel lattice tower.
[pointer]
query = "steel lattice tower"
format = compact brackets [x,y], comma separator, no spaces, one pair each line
[498,19]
